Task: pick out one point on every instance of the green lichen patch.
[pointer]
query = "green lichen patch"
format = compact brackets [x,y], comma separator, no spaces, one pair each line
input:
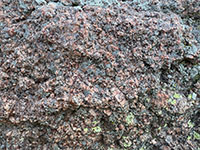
[127,143]
[148,100]
[196,135]
[177,96]
[172,101]
[130,119]
[192,96]
[95,122]
[142,148]
[85,130]
[189,138]
[97,129]
[190,124]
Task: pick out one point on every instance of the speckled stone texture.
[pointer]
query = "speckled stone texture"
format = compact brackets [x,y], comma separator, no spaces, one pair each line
[99,75]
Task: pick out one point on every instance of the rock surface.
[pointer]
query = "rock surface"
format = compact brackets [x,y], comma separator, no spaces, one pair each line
[99,74]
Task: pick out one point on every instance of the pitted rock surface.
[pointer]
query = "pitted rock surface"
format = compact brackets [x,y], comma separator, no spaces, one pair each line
[99,74]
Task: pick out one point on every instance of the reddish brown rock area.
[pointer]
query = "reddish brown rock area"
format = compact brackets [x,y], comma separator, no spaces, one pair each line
[106,75]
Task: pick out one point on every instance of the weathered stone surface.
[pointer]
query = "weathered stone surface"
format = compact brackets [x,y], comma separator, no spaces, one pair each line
[99,74]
